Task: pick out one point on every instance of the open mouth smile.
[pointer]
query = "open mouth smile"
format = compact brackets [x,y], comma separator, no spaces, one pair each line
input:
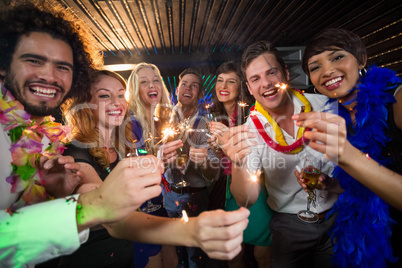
[114,112]
[153,94]
[333,83]
[43,92]
[270,93]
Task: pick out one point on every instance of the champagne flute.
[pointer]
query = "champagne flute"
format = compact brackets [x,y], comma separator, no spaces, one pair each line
[210,118]
[182,160]
[151,207]
[311,173]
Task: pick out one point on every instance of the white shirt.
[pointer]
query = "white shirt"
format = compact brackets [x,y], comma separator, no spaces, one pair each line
[285,195]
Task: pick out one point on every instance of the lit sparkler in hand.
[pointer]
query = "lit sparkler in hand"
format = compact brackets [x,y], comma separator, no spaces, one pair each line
[166,132]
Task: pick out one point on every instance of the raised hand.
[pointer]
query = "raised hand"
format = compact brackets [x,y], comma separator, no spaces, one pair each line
[169,152]
[198,155]
[60,175]
[235,143]
[219,233]
[325,182]
[130,184]
[217,128]
[327,134]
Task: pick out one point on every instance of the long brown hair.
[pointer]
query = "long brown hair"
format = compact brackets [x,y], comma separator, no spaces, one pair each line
[218,108]
[84,132]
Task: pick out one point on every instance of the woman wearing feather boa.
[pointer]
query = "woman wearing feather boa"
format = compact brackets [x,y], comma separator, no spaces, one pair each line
[365,141]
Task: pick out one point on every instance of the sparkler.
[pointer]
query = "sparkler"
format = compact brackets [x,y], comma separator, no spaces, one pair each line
[185,217]
[281,85]
[242,105]
[185,126]
[207,107]
[254,178]
[167,132]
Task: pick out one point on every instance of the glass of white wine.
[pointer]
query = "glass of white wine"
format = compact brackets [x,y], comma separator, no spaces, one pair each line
[182,160]
[311,172]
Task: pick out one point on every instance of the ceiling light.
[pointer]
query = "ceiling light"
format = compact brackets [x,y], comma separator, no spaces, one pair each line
[119,67]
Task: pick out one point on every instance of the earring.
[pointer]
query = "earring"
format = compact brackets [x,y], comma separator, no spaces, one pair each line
[362,72]
[315,91]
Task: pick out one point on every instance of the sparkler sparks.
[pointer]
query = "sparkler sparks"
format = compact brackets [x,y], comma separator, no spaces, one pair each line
[168,132]
[253,113]
[185,217]
[281,85]
[254,178]
[242,104]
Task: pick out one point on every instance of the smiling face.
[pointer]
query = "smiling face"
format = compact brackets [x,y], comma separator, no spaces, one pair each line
[334,72]
[189,90]
[262,74]
[227,87]
[111,106]
[41,73]
[150,87]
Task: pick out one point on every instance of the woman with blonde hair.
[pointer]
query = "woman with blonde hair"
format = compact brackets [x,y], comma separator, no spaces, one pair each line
[150,107]
[149,102]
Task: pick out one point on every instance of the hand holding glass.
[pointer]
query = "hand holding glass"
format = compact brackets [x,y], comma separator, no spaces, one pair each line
[311,173]
[150,206]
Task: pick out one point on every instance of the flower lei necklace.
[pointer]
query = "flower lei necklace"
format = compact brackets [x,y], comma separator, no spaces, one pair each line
[26,148]
[280,145]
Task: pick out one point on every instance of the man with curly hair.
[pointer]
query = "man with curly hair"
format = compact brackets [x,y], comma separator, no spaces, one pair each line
[46,57]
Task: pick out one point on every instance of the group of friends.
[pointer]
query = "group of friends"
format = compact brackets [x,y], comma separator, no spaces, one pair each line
[76,195]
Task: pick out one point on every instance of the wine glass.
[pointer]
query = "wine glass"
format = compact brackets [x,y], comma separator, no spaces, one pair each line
[311,172]
[151,207]
[210,118]
[182,160]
